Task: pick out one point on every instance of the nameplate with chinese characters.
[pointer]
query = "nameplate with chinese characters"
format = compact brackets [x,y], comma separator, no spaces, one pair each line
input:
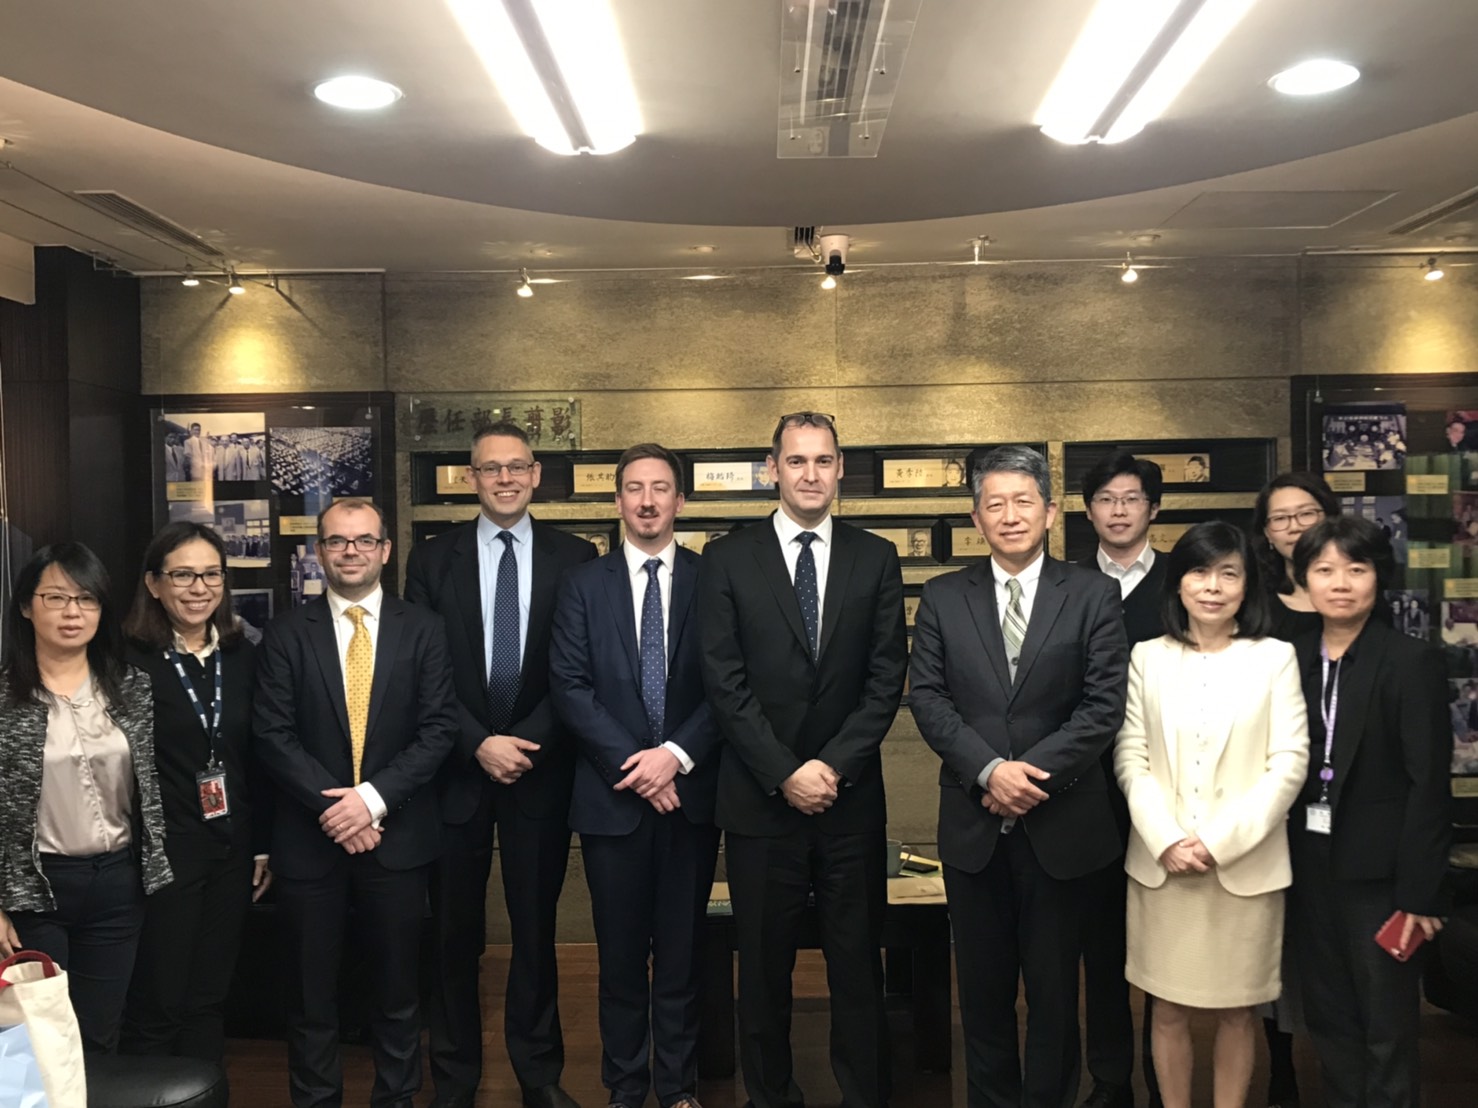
[449,420]
[451,480]
[1460,588]
[966,542]
[1346,482]
[1427,484]
[737,476]
[593,478]
[1439,557]
[297,525]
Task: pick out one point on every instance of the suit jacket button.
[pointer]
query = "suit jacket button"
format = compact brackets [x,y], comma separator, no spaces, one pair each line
[1010,719]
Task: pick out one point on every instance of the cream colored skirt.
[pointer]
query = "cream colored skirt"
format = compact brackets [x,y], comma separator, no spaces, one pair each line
[1193,943]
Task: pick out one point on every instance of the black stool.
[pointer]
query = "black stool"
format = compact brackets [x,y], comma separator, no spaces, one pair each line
[153,1081]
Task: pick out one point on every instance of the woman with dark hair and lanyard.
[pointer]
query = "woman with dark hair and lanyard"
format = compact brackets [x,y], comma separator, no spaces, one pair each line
[1369,835]
[182,633]
[81,831]
[1287,506]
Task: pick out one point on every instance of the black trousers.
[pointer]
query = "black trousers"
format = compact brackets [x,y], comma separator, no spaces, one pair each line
[1013,922]
[384,909]
[649,895]
[92,933]
[187,954]
[534,854]
[1110,1019]
[770,879]
[1362,1007]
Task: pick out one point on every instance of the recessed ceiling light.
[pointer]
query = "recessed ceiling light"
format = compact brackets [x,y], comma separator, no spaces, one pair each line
[358,94]
[705,249]
[1314,76]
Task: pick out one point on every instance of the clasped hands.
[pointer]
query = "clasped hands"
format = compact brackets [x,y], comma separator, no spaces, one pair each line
[812,788]
[348,822]
[1010,790]
[505,758]
[1187,856]
[651,774]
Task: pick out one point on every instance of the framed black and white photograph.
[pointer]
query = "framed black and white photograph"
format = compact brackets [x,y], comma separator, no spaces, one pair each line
[201,448]
[245,526]
[1386,512]
[1364,436]
[321,463]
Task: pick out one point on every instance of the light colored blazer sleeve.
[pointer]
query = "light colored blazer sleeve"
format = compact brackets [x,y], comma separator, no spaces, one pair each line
[1139,743]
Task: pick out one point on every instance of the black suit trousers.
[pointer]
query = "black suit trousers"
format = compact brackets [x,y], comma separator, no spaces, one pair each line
[770,879]
[380,911]
[649,895]
[1362,1007]
[1013,922]
[187,954]
[1110,1019]
[534,854]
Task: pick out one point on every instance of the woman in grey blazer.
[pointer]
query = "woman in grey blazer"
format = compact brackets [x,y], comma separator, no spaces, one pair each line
[81,828]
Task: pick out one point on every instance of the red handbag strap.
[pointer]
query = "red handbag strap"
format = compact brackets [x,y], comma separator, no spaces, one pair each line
[48,967]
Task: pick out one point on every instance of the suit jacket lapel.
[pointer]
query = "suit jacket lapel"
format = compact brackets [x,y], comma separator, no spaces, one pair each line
[324,647]
[684,577]
[1163,681]
[838,571]
[618,593]
[467,585]
[1045,606]
[387,648]
[772,567]
[1354,702]
[541,600]
[981,599]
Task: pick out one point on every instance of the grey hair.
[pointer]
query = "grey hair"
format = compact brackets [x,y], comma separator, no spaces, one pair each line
[1012,459]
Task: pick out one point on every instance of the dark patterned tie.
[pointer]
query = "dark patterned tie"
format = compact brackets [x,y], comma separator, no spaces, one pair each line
[503,672]
[805,588]
[653,653]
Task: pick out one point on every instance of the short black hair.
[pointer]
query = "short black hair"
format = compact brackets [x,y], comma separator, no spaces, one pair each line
[1275,572]
[146,624]
[505,428]
[1203,545]
[650,450]
[1357,538]
[1121,463]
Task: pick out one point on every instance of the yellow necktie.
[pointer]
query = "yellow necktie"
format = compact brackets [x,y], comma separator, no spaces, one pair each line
[359,674]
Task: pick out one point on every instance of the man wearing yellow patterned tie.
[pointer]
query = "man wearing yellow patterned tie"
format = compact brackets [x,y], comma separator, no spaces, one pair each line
[354,714]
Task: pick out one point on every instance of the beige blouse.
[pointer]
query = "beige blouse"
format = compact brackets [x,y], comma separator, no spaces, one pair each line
[86,779]
[1205,683]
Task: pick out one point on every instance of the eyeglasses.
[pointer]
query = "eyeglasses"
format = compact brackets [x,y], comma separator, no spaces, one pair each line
[186,578]
[807,419]
[58,601]
[515,469]
[1305,517]
[337,544]
[1132,501]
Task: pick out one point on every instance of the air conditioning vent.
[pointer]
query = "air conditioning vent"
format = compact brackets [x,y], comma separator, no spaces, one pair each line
[117,206]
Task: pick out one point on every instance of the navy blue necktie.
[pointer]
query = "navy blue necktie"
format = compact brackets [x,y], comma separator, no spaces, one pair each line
[805,588]
[653,653]
[504,671]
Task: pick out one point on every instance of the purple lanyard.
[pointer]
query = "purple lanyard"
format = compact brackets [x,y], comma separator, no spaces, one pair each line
[1329,710]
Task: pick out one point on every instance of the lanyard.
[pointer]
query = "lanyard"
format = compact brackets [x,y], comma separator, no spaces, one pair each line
[1329,710]
[210,724]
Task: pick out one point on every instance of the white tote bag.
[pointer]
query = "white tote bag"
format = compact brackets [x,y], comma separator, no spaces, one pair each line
[33,991]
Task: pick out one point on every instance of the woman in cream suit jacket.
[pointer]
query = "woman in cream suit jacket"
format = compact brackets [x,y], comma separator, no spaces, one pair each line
[1213,750]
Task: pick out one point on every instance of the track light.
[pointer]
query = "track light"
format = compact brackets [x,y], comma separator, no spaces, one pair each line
[235,288]
[525,286]
[1433,270]
[190,280]
[1130,274]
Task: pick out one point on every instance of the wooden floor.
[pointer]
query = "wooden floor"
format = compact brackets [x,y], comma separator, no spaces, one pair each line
[257,1069]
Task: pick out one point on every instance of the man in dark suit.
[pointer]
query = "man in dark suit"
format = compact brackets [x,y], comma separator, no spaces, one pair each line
[1122,495]
[1018,682]
[624,673]
[354,714]
[493,581]
[804,653]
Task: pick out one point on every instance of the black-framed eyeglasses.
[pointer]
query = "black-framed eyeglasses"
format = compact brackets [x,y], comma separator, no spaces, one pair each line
[515,469]
[1132,501]
[1305,517]
[58,601]
[337,544]
[214,578]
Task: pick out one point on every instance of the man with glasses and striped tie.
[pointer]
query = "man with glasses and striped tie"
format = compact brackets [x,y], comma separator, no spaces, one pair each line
[354,714]
[1018,681]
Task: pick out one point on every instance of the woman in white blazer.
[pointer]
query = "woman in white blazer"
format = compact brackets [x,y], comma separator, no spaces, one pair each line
[1212,753]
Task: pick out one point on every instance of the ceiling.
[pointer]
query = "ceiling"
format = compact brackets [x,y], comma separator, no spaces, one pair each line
[202,113]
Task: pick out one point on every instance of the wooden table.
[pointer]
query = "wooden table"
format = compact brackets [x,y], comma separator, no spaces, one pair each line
[916,940]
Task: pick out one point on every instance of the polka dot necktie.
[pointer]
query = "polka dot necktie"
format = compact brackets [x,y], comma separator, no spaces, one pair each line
[1013,627]
[359,675]
[504,670]
[653,653]
[805,588]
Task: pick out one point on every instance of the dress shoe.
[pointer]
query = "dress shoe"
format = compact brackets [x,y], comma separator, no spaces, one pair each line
[548,1096]
[454,1100]
[1106,1095]
[687,1100]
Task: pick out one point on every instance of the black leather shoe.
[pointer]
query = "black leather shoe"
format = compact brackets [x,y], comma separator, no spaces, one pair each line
[688,1100]
[1105,1095]
[548,1096]
[454,1100]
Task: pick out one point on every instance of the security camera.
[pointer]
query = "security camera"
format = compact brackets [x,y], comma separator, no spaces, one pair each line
[834,250]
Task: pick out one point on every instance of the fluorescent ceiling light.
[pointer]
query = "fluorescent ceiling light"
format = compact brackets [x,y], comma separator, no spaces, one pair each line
[1129,63]
[360,94]
[707,277]
[573,47]
[1314,76]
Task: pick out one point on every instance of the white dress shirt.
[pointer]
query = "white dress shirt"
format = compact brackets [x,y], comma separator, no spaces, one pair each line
[489,555]
[790,549]
[1131,575]
[1029,578]
[343,632]
[636,567]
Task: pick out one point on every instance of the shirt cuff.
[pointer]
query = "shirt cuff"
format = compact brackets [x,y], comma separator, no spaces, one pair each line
[990,767]
[260,857]
[681,755]
[371,797]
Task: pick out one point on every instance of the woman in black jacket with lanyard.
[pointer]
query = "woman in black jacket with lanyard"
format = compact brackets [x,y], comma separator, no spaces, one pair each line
[182,633]
[1369,835]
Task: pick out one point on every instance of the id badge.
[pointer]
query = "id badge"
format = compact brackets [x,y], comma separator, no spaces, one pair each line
[1318,818]
[210,784]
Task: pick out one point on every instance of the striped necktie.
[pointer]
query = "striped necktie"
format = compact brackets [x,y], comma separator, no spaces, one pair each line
[1013,627]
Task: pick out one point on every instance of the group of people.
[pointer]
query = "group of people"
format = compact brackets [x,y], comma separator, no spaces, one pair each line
[1272,757]
[329,459]
[196,456]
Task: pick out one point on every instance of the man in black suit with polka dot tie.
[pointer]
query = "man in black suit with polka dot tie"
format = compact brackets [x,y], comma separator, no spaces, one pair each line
[624,675]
